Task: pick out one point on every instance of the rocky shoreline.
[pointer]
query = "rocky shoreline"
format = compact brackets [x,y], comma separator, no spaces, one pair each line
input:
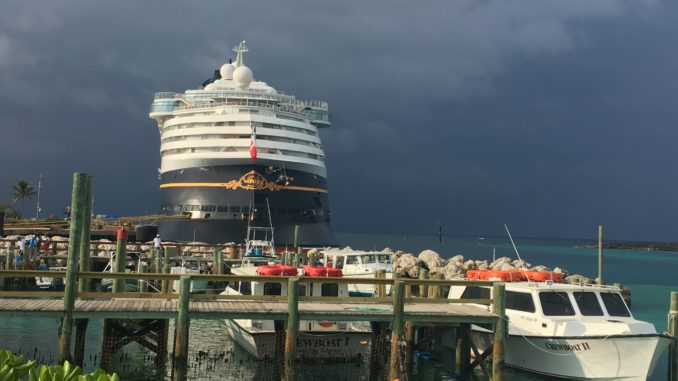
[639,246]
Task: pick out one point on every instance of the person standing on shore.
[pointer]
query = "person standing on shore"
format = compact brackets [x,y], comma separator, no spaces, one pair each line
[157,243]
[21,244]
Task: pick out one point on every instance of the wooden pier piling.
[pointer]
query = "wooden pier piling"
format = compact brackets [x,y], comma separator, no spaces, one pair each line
[217,261]
[673,331]
[396,328]
[462,350]
[9,257]
[169,251]
[78,220]
[423,289]
[291,332]
[500,331]
[84,262]
[120,258]
[182,325]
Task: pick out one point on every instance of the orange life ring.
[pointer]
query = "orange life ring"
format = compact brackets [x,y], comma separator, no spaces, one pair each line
[503,275]
[472,274]
[315,271]
[542,276]
[269,270]
[288,270]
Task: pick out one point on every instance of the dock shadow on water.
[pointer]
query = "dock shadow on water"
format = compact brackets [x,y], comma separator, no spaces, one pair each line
[214,356]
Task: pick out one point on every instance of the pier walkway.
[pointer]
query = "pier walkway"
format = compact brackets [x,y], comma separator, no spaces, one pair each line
[140,308]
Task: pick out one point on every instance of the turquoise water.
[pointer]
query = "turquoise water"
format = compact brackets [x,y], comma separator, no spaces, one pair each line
[213,356]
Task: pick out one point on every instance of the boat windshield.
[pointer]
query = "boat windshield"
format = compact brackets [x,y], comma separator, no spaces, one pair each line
[615,304]
[556,303]
[588,303]
[384,258]
[368,258]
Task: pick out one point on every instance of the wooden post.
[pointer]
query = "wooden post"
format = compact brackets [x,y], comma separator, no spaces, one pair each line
[166,270]
[120,258]
[106,345]
[423,288]
[297,258]
[379,289]
[397,327]
[217,261]
[673,331]
[182,324]
[143,283]
[409,342]
[84,284]
[9,257]
[600,255]
[78,220]
[498,303]
[292,328]
[462,350]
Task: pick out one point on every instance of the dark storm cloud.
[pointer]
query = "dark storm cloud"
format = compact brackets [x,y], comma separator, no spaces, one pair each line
[553,116]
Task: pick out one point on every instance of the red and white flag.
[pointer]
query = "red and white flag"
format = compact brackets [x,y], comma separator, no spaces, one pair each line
[253,144]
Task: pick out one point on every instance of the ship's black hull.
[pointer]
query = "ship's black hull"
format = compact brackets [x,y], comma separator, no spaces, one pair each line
[215,204]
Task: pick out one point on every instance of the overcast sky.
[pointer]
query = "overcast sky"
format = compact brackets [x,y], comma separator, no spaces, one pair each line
[550,116]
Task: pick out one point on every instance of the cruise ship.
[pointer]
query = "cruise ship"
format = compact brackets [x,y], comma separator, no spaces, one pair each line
[237,153]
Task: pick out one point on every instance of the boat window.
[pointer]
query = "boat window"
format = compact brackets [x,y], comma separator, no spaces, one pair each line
[339,263]
[384,258]
[474,292]
[246,288]
[556,303]
[588,303]
[329,289]
[614,304]
[221,208]
[272,288]
[302,290]
[352,260]
[235,208]
[370,258]
[519,301]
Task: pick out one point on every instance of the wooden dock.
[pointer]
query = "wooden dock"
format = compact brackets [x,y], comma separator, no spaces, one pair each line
[142,308]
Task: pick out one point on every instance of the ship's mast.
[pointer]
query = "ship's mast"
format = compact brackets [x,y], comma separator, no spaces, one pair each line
[37,208]
[240,49]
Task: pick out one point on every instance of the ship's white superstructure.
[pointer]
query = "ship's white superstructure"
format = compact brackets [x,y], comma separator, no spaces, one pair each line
[214,125]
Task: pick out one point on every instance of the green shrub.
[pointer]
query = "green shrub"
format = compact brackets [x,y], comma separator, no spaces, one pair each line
[13,368]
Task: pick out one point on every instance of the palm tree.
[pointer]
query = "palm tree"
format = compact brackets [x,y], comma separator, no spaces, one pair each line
[22,190]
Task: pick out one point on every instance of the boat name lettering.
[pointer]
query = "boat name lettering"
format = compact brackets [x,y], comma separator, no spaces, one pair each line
[568,347]
[316,343]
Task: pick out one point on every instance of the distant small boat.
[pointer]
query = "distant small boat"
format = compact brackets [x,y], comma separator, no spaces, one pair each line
[50,282]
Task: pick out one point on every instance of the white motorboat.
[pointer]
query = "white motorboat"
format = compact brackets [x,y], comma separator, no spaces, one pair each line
[189,266]
[359,264]
[583,332]
[325,340]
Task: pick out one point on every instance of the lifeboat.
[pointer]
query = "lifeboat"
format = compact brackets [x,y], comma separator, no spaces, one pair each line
[270,270]
[542,276]
[332,272]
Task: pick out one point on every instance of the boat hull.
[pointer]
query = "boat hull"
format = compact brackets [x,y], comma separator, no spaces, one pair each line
[212,204]
[344,346]
[614,357]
